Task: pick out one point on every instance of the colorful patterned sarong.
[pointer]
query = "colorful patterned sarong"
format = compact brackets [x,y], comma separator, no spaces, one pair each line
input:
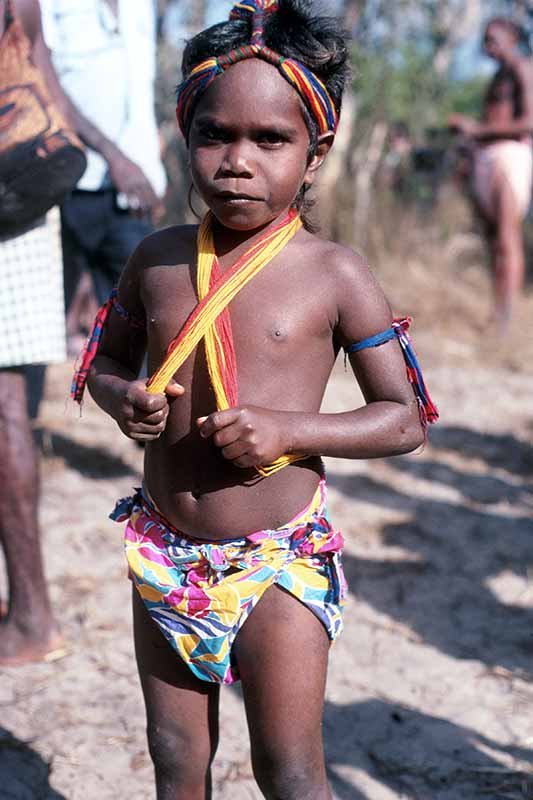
[200,593]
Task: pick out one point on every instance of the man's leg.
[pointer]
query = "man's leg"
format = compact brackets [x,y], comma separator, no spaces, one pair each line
[81,230]
[182,714]
[35,375]
[28,632]
[82,227]
[282,654]
[124,232]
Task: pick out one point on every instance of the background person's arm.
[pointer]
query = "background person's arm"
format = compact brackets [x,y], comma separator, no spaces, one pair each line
[505,129]
[126,176]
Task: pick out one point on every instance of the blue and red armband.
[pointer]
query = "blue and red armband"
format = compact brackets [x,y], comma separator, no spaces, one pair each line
[400,326]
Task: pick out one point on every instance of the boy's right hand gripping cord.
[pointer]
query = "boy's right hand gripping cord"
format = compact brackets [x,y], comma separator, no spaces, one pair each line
[428,409]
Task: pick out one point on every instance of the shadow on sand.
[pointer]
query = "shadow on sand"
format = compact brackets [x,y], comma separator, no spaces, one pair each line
[416,755]
[24,775]
[497,450]
[93,462]
[447,589]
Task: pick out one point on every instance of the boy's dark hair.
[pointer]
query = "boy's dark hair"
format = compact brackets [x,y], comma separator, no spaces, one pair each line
[293,31]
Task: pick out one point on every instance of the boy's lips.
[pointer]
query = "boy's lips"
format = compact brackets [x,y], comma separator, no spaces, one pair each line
[237,197]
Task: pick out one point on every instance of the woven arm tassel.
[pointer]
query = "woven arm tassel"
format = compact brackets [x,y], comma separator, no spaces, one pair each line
[90,349]
[428,410]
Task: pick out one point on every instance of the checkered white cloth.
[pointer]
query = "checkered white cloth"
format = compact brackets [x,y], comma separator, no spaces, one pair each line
[32,317]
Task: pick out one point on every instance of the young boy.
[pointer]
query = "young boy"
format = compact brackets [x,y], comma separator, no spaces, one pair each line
[232,556]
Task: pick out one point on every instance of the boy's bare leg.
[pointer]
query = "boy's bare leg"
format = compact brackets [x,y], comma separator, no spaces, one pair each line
[182,714]
[507,254]
[28,632]
[282,654]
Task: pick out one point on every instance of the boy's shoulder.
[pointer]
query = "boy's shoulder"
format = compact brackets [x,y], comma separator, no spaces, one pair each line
[338,260]
[174,244]
[360,304]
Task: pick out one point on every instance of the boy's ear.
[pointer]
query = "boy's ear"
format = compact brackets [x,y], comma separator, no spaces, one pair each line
[324,145]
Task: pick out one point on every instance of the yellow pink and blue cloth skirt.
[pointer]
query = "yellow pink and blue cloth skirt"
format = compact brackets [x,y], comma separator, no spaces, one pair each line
[200,593]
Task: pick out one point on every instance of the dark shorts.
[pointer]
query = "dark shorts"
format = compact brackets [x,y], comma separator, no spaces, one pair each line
[97,237]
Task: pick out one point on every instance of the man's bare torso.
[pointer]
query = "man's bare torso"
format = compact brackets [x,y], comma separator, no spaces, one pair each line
[504,99]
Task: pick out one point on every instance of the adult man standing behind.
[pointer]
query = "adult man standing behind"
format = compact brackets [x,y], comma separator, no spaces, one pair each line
[33,334]
[32,314]
[104,52]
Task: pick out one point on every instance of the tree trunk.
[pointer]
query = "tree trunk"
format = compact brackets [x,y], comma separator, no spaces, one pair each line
[367,160]
[452,24]
[335,169]
[196,16]
[351,13]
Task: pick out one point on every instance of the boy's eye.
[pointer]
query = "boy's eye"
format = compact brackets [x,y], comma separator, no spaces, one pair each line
[213,134]
[271,138]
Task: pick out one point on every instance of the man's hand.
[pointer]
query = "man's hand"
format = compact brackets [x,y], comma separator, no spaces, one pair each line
[463,124]
[249,436]
[143,416]
[129,180]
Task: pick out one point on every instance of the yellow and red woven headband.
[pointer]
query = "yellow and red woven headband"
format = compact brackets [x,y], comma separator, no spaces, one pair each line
[309,87]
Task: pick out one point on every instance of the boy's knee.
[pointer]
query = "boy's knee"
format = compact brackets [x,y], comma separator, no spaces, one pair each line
[290,778]
[178,755]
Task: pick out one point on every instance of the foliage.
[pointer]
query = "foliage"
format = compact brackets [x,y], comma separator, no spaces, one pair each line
[404,85]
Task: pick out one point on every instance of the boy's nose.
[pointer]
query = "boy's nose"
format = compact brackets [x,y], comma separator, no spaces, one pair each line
[237,161]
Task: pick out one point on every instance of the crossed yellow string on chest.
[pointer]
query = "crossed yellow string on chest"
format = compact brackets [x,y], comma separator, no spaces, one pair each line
[210,319]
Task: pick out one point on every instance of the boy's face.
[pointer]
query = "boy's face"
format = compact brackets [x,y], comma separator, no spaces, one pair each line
[249,146]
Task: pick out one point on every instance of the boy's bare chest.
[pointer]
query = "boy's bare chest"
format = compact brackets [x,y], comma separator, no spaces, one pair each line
[277,311]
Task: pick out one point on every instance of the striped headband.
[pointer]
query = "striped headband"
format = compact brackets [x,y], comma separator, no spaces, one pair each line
[312,91]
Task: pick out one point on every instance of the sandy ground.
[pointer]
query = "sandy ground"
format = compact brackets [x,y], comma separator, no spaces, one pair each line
[431,686]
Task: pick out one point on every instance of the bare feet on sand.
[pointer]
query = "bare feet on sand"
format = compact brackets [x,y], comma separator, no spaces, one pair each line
[18,646]
[500,319]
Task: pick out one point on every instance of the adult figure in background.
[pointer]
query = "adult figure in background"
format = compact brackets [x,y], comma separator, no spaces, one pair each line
[502,160]
[104,52]
[33,333]
[397,165]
